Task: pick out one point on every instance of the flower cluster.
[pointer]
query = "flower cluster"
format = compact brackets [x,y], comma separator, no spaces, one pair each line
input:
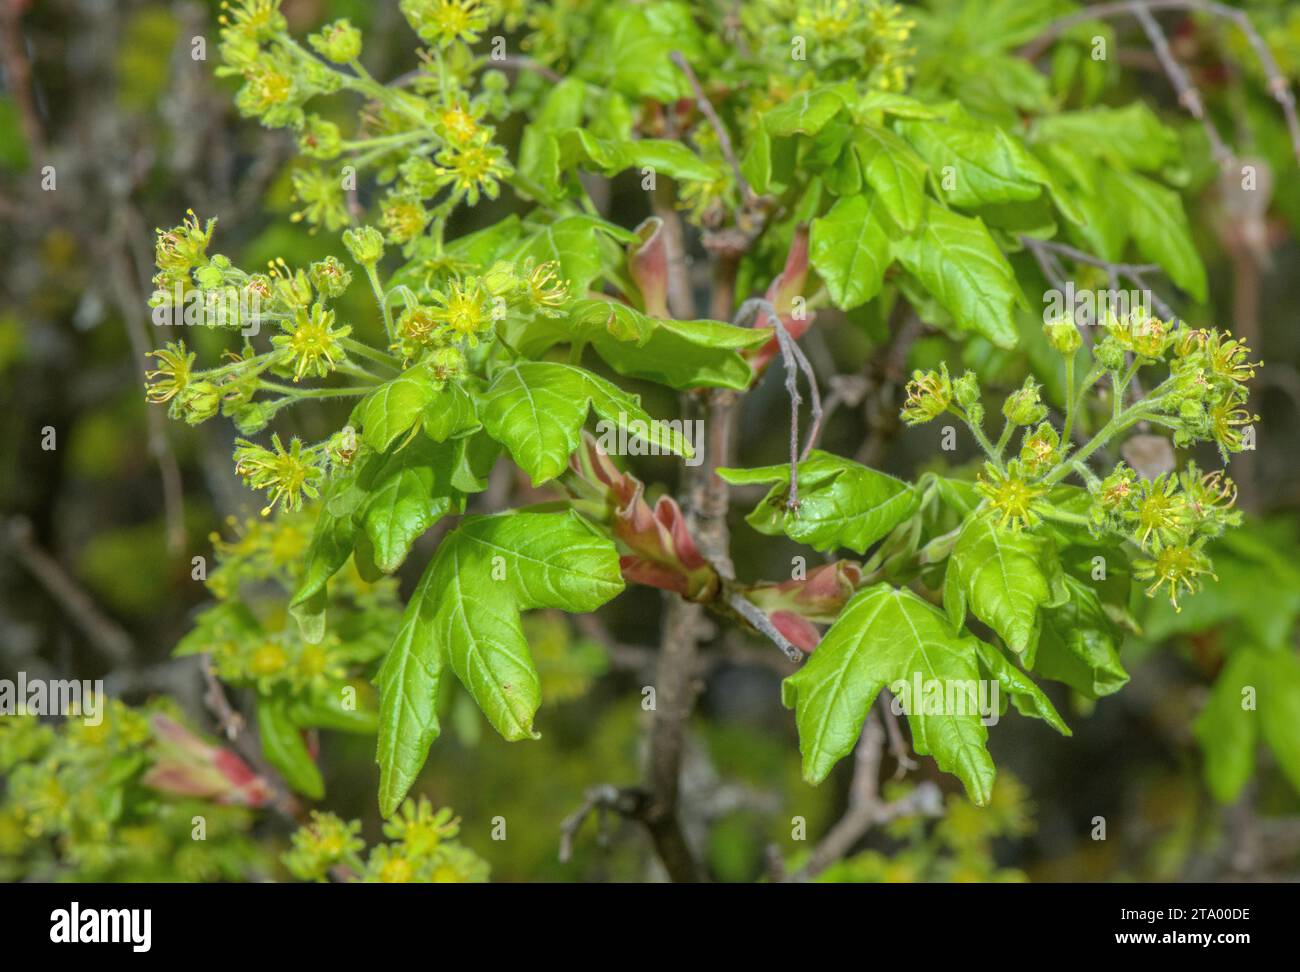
[843,38]
[248,633]
[422,849]
[464,310]
[106,802]
[1168,518]
[436,123]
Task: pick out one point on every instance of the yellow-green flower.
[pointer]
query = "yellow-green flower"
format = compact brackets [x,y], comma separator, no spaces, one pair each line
[443,22]
[1178,565]
[1014,500]
[266,88]
[463,310]
[389,865]
[546,289]
[256,20]
[417,327]
[1226,420]
[181,248]
[929,394]
[323,843]
[1115,493]
[458,122]
[473,169]
[312,344]
[1160,512]
[172,374]
[286,475]
[321,194]
[419,828]
[404,217]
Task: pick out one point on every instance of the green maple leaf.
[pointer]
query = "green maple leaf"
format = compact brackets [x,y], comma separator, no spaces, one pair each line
[680,354]
[1079,644]
[888,636]
[392,408]
[849,247]
[841,503]
[894,172]
[284,748]
[957,261]
[536,409]
[409,490]
[1005,577]
[807,113]
[465,613]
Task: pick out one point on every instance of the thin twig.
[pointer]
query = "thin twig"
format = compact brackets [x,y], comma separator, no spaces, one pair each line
[720,130]
[865,808]
[756,616]
[1045,249]
[625,801]
[18,74]
[1188,96]
[1278,85]
[794,360]
[229,720]
[102,631]
[897,744]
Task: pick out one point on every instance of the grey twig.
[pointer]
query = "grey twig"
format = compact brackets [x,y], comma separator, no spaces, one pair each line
[1188,96]
[102,631]
[1278,86]
[795,361]
[626,801]
[710,113]
[865,808]
[756,616]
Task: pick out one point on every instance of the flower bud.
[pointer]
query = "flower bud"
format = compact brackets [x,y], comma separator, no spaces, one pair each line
[1063,335]
[447,364]
[1110,354]
[198,402]
[366,244]
[320,139]
[330,277]
[294,290]
[1040,450]
[966,390]
[500,280]
[209,277]
[343,446]
[252,417]
[1024,406]
[1150,335]
[339,42]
